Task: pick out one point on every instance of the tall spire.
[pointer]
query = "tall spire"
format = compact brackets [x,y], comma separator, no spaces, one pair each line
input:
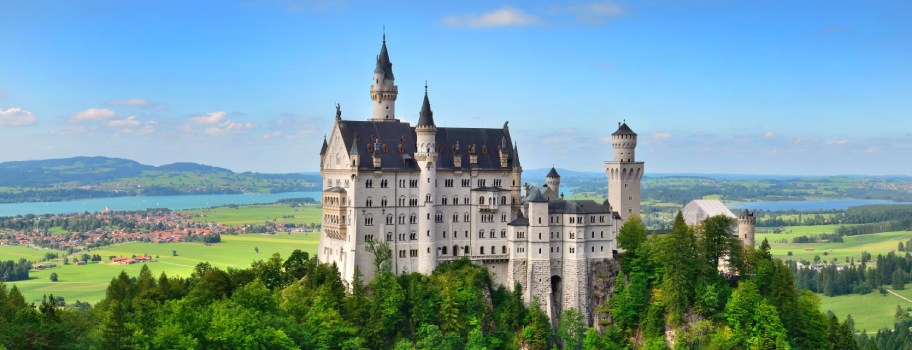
[516,156]
[426,116]
[325,145]
[384,66]
[384,91]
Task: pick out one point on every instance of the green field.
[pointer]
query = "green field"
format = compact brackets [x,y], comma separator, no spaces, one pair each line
[258,214]
[871,311]
[875,243]
[88,282]
[15,252]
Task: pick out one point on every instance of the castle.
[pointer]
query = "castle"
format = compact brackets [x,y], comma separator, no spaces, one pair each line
[436,194]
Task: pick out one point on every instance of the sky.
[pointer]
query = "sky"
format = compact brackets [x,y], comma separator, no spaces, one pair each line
[710,86]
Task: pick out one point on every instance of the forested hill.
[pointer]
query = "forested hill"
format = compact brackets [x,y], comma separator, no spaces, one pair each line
[87,177]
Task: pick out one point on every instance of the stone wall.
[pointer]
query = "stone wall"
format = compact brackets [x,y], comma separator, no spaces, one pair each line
[602,283]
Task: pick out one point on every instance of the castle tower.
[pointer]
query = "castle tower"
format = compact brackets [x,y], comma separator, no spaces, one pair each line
[540,273]
[426,157]
[624,173]
[552,180]
[516,186]
[746,224]
[384,90]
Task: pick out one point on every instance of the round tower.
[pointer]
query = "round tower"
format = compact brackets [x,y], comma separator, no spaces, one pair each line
[624,142]
[552,180]
[746,224]
[426,157]
[384,90]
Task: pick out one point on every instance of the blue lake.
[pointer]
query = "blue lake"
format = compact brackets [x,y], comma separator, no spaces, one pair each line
[142,203]
[827,204]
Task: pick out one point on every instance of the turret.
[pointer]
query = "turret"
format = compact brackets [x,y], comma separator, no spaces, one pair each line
[624,173]
[516,188]
[354,154]
[426,157]
[553,181]
[746,224]
[384,90]
[378,156]
[504,152]
[624,141]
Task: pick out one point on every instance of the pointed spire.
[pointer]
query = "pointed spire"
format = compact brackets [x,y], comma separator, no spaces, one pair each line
[325,145]
[516,156]
[426,116]
[553,172]
[354,146]
[384,66]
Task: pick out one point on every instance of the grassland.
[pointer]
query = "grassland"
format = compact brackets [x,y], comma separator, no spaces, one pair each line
[16,252]
[875,243]
[88,282]
[870,311]
[258,214]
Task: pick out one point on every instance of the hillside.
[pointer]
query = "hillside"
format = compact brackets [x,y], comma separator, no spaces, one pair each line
[88,177]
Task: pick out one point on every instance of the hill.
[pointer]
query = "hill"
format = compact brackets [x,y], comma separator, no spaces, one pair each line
[90,177]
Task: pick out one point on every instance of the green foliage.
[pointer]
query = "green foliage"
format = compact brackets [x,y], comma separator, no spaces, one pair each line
[631,235]
[571,329]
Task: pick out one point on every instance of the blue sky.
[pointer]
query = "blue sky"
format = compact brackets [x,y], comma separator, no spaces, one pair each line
[765,87]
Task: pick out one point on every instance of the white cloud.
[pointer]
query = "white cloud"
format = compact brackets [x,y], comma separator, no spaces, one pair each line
[872,149]
[593,13]
[92,114]
[228,126]
[837,142]
[769,134]
[504,17]
[208,118]
[124,123]
[129,102]
[606,139]
[137,102]
[661,136]
[215,124]
[16,117]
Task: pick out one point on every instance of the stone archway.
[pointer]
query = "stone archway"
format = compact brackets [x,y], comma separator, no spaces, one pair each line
[557,298]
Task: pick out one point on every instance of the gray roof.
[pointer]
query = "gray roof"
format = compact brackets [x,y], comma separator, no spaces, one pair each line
[383,62]
[623,129]
[536,196]
[353,150]
[426,115]
[335,190]
[553,173]
[519,221]
[359,134]
[323,149]
[585,206]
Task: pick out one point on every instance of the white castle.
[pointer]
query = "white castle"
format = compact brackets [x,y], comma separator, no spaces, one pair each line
[437,194]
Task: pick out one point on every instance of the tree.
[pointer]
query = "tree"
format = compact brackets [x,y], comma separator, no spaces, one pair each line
[571,328]
[631,235]
[538,330]
[679,257]
[717,238]
[898,279]
[256,249]
[53,277]
[383,255]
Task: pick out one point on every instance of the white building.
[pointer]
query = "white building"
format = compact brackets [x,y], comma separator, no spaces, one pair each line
[436,194]
[700,209]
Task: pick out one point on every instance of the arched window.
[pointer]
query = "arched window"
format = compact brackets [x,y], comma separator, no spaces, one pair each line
[503,200]
[503,249]
[481,200]
[481,252]
[444,250]
[369,202]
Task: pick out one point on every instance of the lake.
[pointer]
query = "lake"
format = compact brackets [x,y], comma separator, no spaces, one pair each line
[142,203]
[827,204]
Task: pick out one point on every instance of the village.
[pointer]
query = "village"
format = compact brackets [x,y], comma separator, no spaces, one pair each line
[86,231]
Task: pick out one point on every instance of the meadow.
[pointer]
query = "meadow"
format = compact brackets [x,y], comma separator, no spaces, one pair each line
[870,311]
[875,243]
[88,282]
[258,214]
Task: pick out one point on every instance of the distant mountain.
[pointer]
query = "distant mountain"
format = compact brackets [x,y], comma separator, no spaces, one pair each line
[86,177]
[199,168]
